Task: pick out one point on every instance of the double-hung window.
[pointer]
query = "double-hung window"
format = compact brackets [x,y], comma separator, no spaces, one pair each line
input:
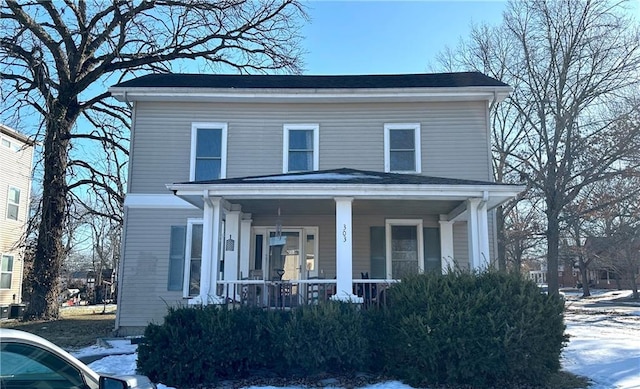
[208,151]
[6,271]
[300,148]
[402,148]
[13,203]
[193,261]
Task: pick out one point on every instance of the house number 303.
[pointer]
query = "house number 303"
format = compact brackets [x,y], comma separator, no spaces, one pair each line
[344,232]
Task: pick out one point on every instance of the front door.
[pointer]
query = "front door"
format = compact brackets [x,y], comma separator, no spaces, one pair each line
[284,262]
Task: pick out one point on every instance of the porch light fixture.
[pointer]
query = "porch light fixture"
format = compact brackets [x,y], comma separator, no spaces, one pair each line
[278,225]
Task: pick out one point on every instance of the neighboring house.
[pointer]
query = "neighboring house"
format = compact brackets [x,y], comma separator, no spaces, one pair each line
[16,158]
[611,264]
[283,190]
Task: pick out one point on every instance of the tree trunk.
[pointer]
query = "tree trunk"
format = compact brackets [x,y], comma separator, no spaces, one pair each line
[634,284]
[584,276]
[49,248]
[553,241]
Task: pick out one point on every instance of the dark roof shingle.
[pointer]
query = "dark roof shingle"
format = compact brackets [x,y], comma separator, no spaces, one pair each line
[432,80]
[344,176]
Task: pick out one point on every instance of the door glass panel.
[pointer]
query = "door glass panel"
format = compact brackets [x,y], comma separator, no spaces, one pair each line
[311,264]
[284,255]
[404,251]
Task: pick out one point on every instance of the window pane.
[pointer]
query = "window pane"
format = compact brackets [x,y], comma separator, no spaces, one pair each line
[403,161]
[401,140]
[7,263]
[209,143]
[207,169]
[5,280]
[14,195]
[300,161]
[404,251]
[30,366]
[6,143]
[310,252]
[194,278]
[300,139]
[196,241]
[12,212]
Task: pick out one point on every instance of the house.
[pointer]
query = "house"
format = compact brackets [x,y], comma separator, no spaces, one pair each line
[279,190]
[16,158]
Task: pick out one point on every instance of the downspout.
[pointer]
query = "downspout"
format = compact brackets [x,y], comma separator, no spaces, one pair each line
[123,241]
[483,215]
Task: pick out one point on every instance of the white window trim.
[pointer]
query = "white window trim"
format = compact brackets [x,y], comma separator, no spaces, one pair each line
[285,144]
[187,255]
[223,152]
[10,202]
[404,222]
[388,127]
[13,262]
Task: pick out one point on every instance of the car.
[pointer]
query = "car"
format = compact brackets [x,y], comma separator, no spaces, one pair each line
[29,361]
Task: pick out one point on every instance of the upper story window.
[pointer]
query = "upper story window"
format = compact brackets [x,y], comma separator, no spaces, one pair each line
[9,144]
[402,148]
[300,148]
[6,271]
[208,151]
[13,203]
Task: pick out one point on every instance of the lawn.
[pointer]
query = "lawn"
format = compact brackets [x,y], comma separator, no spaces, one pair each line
[77,327]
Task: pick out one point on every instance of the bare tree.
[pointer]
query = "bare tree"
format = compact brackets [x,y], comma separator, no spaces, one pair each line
[614,227]
[57,57]
[566,60]
[524,233]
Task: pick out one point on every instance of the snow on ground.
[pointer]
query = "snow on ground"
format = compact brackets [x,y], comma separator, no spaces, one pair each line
[604,345]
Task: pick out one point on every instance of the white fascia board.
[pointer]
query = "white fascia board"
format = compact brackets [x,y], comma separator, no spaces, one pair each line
[310,95]
[158,201]
[361,191]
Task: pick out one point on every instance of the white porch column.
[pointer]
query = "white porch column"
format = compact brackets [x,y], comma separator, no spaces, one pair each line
[446,244]
[344,251]
[483,236]
[245,244]
[210,250]
[473,233]
[231,243]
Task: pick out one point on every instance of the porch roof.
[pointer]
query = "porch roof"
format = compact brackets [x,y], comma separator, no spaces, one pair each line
[359,184]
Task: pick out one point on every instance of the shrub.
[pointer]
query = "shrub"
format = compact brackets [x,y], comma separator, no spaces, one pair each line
[205,344]
[471,329]
[325,338]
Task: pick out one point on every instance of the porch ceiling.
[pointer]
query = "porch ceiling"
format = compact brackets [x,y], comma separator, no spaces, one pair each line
[360,207]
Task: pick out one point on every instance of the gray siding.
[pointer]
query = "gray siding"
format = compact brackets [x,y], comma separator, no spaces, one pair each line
[454,137]
[15,171]
[143,291]
[460,246]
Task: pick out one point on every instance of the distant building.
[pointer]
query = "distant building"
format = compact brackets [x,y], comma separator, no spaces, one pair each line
[16,161]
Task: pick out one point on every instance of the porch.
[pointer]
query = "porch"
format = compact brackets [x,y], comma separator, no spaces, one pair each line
[295,239]
[289,294]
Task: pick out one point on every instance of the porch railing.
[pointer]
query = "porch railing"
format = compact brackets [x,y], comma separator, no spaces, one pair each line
[295,293]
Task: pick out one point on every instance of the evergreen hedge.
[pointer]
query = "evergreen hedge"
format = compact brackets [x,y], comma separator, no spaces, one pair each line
[482,330]
[471,329]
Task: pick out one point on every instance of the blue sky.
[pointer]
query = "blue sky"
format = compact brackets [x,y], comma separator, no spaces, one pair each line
[380,37]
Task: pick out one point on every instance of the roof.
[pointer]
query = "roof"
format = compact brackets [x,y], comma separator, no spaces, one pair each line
[426,80]
[344,176]
[8,131]
[330,184]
